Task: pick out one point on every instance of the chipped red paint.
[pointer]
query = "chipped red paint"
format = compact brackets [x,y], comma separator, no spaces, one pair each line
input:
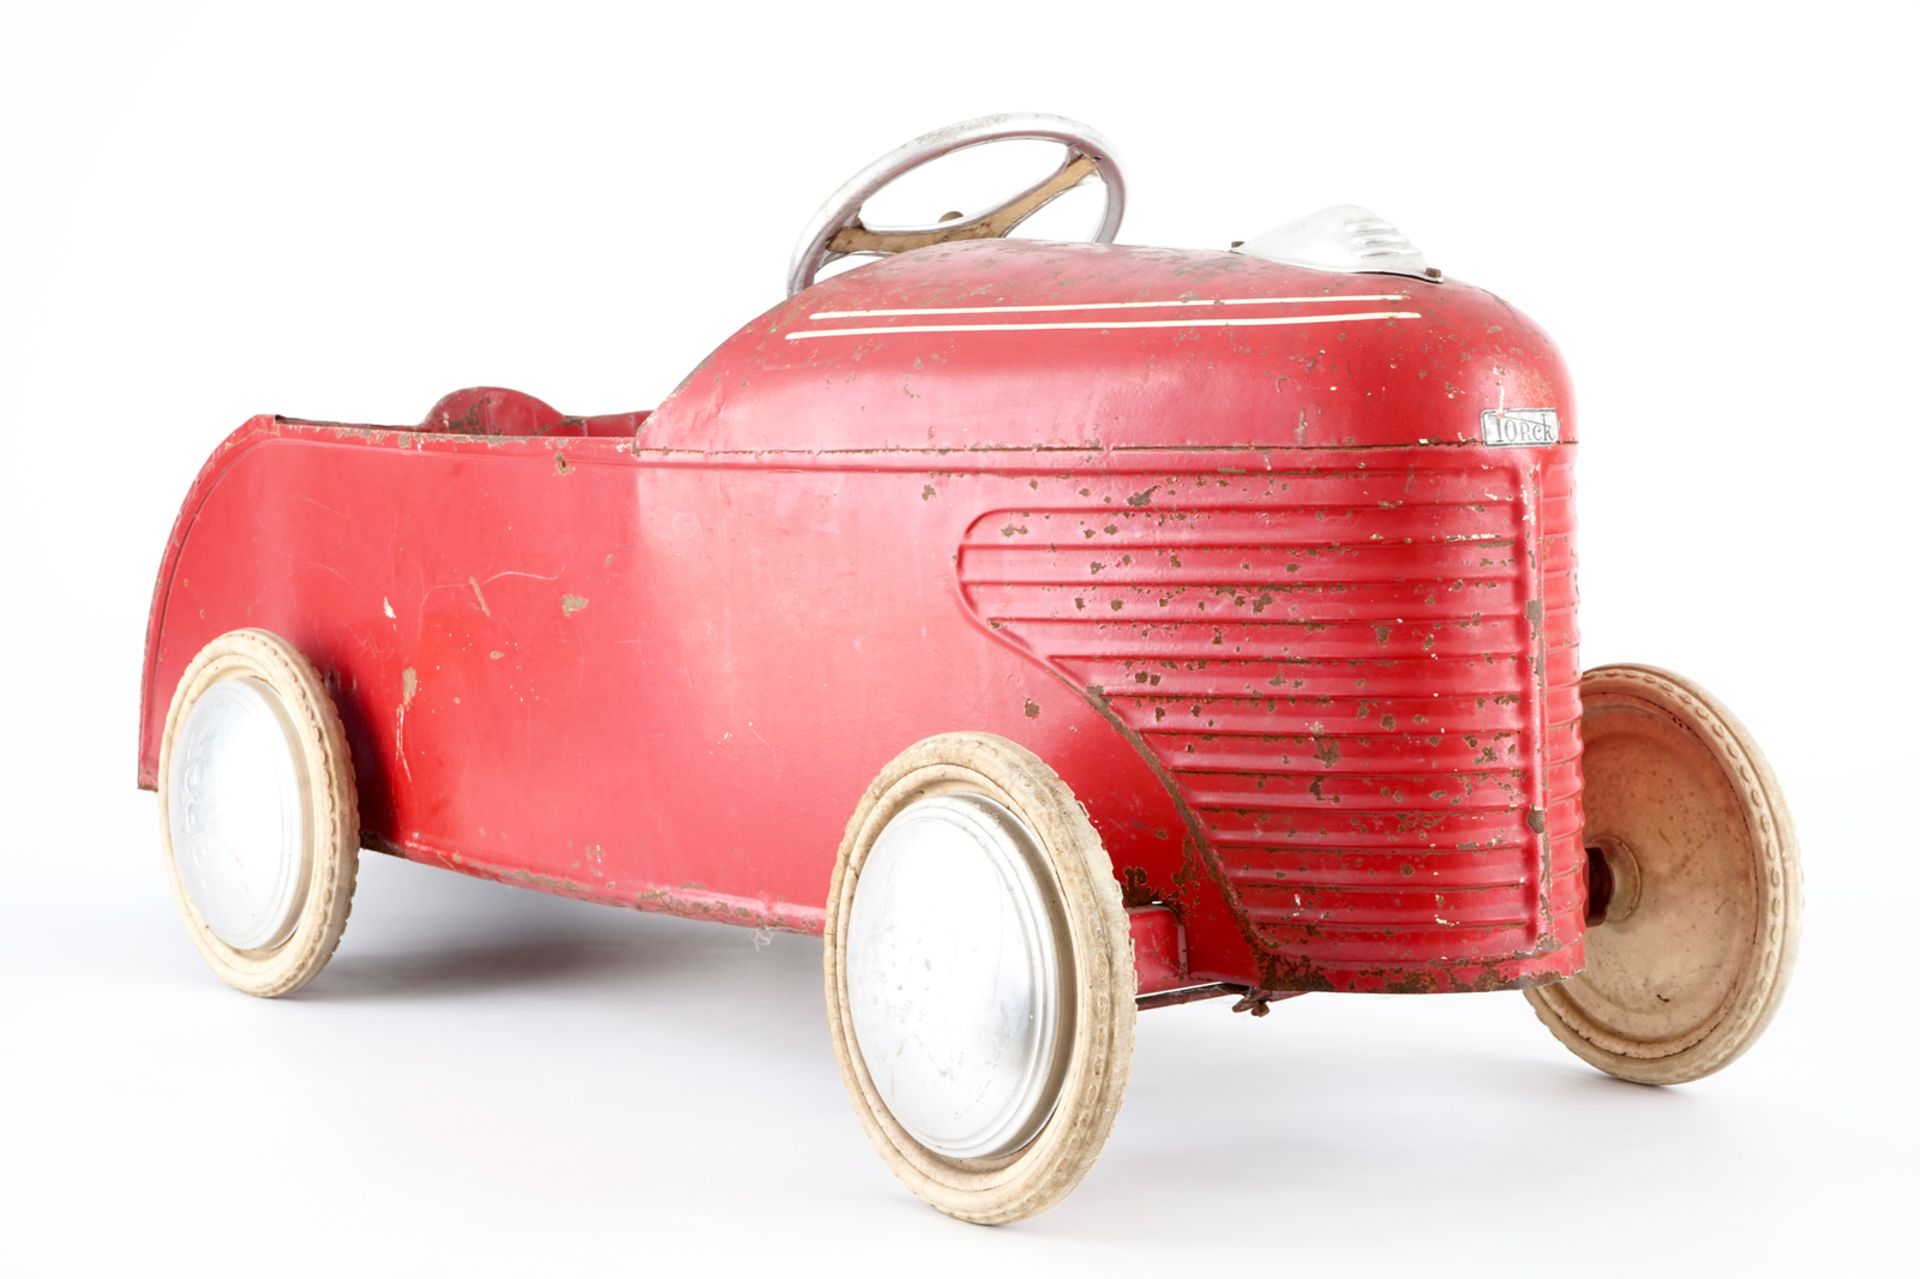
[1302,644]
[1158,959]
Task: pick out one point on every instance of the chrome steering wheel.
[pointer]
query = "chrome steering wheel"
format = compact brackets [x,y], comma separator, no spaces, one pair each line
[837,231]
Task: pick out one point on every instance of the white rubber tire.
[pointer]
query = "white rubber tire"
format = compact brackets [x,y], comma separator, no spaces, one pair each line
[1690,978]
[1010,1187]
[326,768]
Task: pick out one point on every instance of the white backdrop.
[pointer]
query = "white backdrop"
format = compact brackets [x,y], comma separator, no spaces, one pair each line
[343,211]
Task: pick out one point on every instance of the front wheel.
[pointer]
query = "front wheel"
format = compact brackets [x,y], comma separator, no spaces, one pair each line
[1693,884]
[980,979]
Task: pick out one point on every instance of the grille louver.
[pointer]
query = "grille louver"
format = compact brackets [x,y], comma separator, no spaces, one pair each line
[1364,682]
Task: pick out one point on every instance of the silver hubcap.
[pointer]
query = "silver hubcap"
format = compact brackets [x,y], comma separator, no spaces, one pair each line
[237,814]
[958,976]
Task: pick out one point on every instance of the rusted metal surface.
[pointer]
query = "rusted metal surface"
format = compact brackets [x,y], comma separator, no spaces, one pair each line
[1218,539]
[1257,1002]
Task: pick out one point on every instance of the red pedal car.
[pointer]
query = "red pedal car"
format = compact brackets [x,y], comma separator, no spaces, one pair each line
[1059,629]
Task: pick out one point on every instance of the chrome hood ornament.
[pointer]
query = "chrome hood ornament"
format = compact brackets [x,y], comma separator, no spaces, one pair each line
[1345,238]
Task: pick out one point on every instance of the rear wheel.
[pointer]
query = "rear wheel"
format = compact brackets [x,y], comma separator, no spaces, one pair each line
[1693,884]
[258,812]
[980,980]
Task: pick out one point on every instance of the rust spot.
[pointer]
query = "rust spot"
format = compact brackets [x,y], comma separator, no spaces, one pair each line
[571,604]
[1411,984]
[1033,709]
[926,493]
[1143,497]
[560,464]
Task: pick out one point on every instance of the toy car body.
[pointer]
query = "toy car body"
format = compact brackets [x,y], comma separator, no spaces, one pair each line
[1260,593]
[1273,566]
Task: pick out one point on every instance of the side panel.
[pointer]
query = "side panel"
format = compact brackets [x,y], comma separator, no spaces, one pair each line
[816,627]
[1328,709]
[808,627]
[658,685]
[465,600]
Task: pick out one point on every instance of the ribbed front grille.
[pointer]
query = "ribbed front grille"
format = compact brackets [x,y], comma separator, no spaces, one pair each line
[1341,672]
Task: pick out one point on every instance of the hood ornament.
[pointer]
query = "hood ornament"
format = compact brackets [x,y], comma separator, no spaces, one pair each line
[1345,238]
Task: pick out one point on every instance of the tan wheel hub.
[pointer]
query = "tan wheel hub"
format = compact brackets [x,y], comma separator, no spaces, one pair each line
[1694,881]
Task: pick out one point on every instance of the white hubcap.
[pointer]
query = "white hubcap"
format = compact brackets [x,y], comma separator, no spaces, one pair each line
[958,976]
[237,814]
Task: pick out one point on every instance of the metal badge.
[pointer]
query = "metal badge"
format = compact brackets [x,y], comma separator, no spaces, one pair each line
[1519,428]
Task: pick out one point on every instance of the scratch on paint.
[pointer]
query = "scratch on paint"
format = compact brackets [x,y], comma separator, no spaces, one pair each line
[409,685]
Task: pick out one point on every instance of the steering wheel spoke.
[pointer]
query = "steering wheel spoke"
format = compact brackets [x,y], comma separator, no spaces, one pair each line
[837,231]
[857,237]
